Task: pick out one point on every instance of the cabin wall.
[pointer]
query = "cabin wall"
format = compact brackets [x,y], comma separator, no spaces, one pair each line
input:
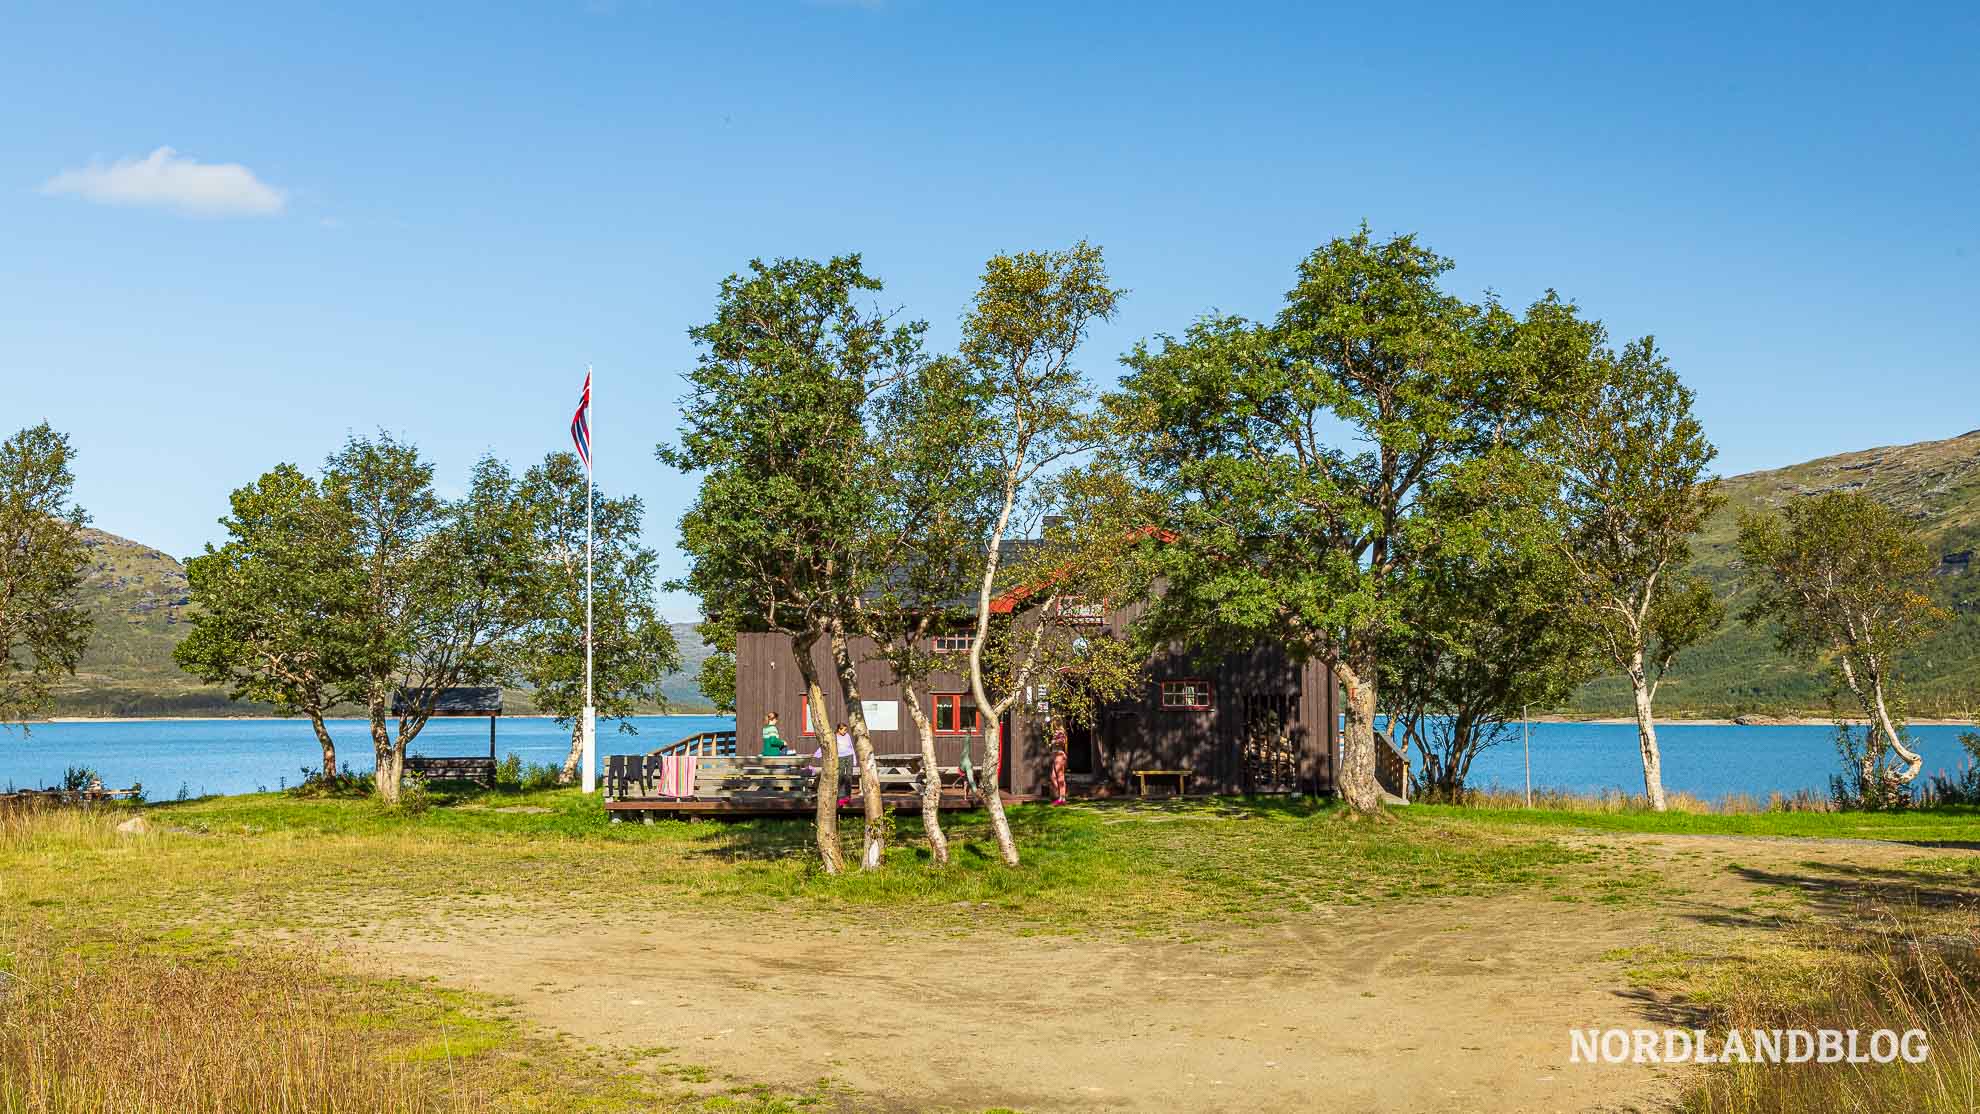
[767,679]
[1135,733]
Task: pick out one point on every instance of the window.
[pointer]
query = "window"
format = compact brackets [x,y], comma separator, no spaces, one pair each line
[954,644]
[805,703]
[1185,696]
[955,714]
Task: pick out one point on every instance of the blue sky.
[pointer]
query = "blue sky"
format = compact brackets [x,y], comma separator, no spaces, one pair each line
[430,217]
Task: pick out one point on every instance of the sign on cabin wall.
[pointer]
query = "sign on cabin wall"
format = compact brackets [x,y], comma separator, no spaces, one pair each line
[881,715]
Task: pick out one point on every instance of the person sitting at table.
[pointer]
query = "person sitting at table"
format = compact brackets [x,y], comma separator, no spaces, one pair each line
[773,740]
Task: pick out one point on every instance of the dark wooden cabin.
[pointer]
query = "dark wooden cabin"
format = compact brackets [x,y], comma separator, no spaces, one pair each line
[1237,723]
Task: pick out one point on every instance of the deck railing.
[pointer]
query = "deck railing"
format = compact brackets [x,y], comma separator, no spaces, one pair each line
[708,744]
[1391,767]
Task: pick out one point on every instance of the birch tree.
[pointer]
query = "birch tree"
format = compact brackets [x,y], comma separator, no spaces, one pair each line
[1845,578]
[774,422]
[1634,493]
[633,648]
[934,498]
[1031,313]
[274,605]
[44,624]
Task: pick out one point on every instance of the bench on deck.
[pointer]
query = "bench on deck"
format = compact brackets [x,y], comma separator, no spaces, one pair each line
[1181,776]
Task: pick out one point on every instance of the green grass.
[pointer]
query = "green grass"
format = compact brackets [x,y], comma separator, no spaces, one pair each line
[1954,824]
[330,863]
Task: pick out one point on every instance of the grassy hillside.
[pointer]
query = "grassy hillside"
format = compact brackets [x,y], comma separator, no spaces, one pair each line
[1935,483]
[141,601]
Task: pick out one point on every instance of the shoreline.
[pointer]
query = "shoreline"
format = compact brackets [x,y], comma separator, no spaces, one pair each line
[1760,719]
[327,719]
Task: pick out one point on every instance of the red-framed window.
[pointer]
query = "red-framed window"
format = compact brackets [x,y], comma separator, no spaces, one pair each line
[954,644]
[805,703]
[954,713]
[1187,695]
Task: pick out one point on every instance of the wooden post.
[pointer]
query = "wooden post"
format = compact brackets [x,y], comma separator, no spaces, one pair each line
[491,738]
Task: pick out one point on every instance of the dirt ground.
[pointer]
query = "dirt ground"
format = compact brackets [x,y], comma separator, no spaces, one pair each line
[1459,1005]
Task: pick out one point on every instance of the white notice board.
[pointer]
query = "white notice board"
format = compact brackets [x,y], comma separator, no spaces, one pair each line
[882,715]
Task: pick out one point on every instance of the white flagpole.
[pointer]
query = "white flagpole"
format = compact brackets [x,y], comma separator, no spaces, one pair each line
[590,713]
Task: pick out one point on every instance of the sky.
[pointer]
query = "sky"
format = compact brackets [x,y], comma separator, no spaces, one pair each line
[234,236]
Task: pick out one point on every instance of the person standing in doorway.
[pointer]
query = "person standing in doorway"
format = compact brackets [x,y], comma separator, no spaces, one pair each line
[1058,761]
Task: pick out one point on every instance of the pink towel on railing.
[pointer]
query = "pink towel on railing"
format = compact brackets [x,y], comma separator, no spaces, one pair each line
[677,775]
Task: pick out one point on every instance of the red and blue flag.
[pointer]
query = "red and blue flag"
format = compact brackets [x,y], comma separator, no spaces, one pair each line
[581,425]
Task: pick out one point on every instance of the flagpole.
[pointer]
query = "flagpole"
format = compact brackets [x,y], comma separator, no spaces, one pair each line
[590,713]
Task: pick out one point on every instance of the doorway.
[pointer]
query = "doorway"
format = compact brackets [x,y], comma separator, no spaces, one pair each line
[1079,750]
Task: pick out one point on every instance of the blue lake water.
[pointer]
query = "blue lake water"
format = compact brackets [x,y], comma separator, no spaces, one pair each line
[247,755]
[242,756]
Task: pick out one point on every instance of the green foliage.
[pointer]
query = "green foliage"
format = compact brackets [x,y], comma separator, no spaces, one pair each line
[1844,578]
[44,625]
[277,601]
[1285,536]
[774,421]
[1634,492]
[1488,638]
[633,648]
[1839,575]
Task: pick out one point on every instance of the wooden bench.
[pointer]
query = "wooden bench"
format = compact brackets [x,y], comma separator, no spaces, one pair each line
[476,769]
[1181,776]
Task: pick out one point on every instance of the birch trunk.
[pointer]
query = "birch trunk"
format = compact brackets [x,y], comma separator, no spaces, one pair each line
[390,759]
[568,775]
[323,739]
[830,856]
[874,837]
[931,777]
[1357,781]
[1646,733]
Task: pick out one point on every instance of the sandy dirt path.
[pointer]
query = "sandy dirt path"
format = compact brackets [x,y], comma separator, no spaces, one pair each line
[1462,1005]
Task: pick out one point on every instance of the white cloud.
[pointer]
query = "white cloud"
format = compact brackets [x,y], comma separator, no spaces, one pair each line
[166,179]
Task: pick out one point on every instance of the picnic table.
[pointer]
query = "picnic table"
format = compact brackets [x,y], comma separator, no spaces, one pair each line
[1181,776]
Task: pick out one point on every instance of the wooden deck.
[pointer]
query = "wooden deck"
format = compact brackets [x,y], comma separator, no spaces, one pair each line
[791,804]
[727,784]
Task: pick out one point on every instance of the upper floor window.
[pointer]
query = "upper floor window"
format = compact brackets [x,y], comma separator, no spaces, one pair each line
[1190,695]
[954,644]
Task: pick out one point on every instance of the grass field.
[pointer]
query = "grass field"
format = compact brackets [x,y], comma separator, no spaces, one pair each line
[218,927]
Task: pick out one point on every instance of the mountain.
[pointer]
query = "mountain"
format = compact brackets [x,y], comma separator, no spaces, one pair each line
[142,601]
[1934,483]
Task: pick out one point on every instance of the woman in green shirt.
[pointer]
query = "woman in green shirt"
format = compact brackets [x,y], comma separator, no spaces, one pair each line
[773,743]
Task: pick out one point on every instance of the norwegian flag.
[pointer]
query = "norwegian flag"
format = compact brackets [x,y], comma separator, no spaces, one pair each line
[581,425]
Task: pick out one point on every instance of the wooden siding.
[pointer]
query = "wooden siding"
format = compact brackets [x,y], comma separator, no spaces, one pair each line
[1133,733]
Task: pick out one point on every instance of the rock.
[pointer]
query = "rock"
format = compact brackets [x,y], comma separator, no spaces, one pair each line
[134,826]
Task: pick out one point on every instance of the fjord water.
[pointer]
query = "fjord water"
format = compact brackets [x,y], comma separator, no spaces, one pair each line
[250,755]
[243,756]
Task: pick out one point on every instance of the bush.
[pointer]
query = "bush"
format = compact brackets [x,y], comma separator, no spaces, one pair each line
[343,783]
[1867,783]
[78,778]
[518,776]
[1963,789]
[414,796]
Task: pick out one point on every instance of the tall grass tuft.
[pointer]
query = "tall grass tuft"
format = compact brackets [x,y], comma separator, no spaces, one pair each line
[1903,977]
[122,1028]
[1614,801]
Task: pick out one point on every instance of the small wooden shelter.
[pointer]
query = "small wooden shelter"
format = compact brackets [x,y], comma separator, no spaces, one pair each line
[456,702]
